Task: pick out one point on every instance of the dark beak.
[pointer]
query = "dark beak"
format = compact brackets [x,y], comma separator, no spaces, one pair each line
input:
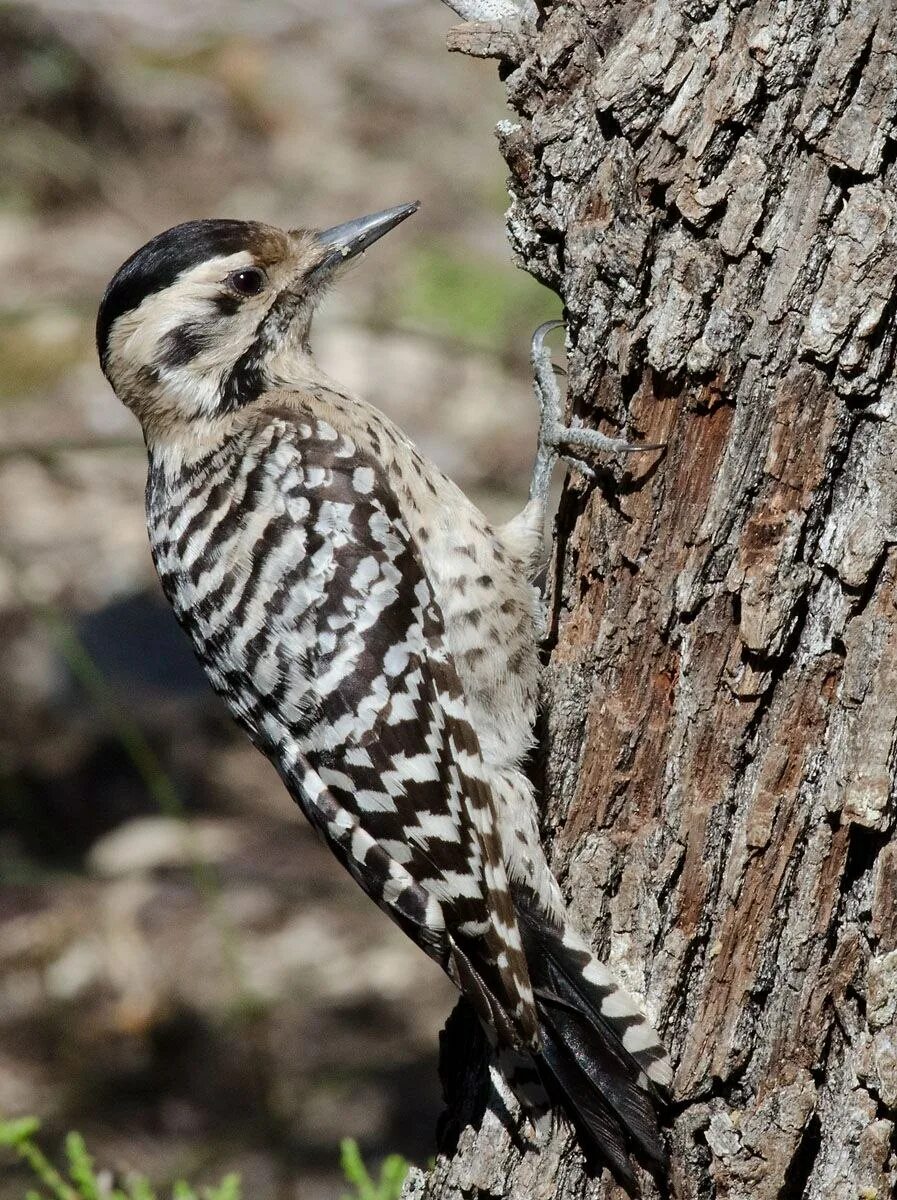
[343,242]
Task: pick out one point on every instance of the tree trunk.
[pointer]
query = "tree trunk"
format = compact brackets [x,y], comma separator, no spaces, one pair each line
[710,187]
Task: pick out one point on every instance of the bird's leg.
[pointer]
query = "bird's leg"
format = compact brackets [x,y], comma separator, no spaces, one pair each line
[525,532]
[556,438]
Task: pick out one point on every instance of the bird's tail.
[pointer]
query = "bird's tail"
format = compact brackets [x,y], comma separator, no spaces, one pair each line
[599,1056]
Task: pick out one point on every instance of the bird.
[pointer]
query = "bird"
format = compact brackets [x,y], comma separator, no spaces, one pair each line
[376,637]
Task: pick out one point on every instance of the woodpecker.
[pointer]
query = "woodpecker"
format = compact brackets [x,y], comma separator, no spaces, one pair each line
[374,635]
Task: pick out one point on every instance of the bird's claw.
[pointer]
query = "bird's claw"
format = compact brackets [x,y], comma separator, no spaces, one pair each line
[555,438]
[537,345]
[579,466]
[594,439]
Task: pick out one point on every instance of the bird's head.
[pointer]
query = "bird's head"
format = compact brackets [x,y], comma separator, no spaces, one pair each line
[210,314]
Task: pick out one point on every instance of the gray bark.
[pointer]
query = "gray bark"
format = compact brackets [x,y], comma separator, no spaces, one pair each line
[710,187]
[485,10]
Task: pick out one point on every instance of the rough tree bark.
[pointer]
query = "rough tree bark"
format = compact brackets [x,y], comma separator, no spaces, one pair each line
[710,187]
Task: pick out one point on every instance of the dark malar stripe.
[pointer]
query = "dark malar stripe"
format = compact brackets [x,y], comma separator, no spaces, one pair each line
[247,381]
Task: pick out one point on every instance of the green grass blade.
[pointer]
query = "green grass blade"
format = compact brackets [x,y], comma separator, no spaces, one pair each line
[355,1171]
[81,1167]
[392,1175]
[21,1129]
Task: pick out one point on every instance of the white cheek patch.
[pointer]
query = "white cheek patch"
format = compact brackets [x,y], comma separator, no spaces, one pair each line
[137,341]
[136,334]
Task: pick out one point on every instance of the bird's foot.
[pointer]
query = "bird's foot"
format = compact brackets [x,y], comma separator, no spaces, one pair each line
[557,440]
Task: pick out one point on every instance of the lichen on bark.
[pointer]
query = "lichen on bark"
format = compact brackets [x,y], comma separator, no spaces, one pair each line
[710,187]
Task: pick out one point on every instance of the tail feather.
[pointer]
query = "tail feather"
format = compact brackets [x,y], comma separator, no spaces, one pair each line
[561,963]
[598,1050]
[596,1123]
[607,1076]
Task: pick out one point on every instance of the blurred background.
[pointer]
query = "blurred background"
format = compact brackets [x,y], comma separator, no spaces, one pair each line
[185,975]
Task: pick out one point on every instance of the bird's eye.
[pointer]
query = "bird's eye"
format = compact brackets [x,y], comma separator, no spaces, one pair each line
[248,281]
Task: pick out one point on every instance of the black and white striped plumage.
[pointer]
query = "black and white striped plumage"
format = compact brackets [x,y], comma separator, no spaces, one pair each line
[374,636]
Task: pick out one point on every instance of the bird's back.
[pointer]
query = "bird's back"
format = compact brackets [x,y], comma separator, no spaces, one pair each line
[374,636]
[289,561]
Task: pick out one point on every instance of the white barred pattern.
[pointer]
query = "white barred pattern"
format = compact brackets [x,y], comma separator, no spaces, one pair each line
[342,677]
[346,677]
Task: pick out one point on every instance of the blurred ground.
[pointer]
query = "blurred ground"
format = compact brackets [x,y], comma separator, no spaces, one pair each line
[224,999]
